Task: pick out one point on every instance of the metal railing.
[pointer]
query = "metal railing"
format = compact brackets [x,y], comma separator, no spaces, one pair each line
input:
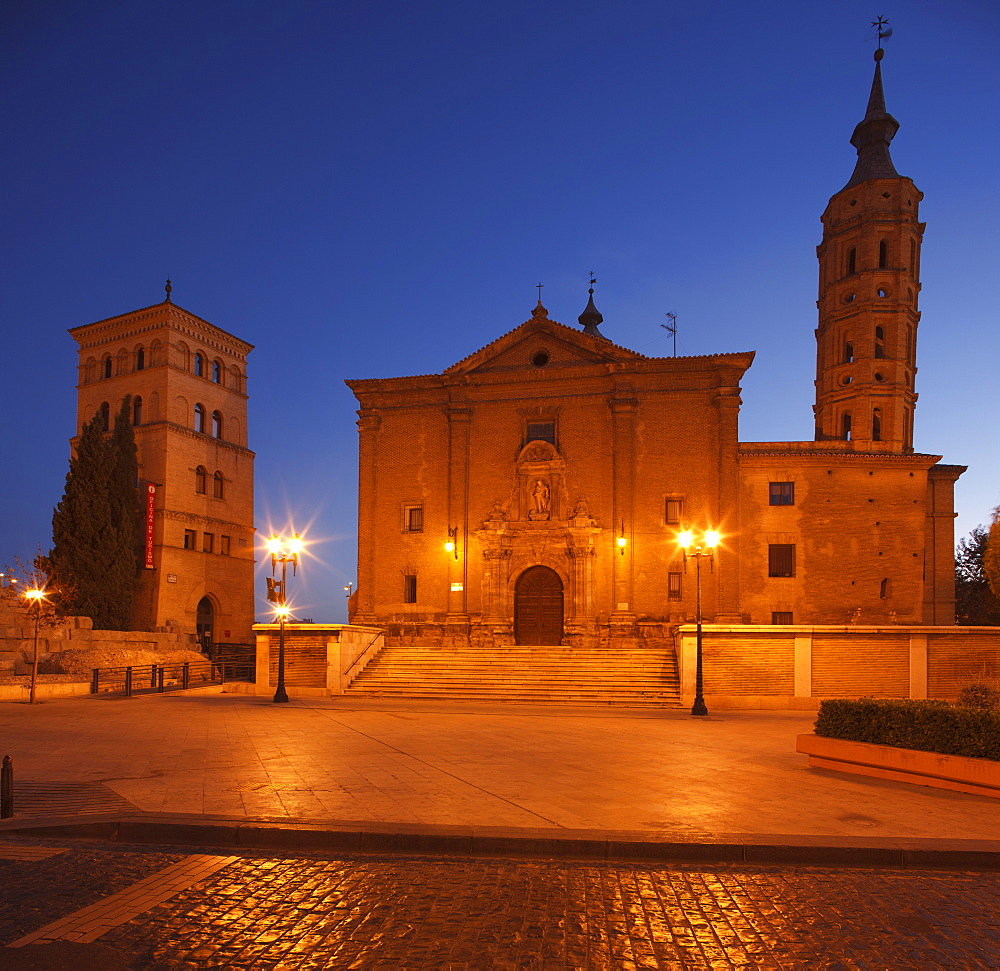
[368,647]
[145,678]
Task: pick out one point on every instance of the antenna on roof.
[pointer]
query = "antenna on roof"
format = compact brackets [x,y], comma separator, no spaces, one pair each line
[671,329]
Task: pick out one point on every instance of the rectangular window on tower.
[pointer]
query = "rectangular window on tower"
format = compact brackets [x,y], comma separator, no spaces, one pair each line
[209,542]
[673,513]
[410,588]
[781,560]
[413,519]
[781,617]
[540,431]
[190,539]
[224,545]
[673,586]
[781,494]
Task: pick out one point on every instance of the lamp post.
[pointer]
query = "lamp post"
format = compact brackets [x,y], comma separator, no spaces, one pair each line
[283,551]
[698,549]
[34,598]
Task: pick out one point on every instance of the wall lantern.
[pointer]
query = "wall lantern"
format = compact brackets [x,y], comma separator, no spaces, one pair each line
[452,545]
[621,541]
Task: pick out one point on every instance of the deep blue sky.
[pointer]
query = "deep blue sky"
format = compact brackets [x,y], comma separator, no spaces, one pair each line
[373,189]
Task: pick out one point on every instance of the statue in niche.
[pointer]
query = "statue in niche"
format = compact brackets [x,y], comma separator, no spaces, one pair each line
[540,498]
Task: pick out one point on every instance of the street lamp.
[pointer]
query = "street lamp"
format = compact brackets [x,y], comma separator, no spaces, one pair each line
[699,549]
[283,551]
[34,597]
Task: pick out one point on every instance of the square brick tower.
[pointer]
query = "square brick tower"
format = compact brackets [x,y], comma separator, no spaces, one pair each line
[187,382]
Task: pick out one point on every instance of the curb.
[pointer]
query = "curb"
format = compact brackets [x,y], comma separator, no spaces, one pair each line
[503,842]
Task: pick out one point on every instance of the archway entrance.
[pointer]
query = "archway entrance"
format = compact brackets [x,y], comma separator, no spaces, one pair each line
[538,607]
[205,620]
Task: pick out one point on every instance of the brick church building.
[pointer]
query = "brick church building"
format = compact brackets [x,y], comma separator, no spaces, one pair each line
[533,492]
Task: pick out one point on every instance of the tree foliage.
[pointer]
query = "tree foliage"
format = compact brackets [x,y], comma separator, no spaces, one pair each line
[96,525]
[976,604]
[991,557]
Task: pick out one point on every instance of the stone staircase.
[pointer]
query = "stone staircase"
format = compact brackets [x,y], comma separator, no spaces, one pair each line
[629,677]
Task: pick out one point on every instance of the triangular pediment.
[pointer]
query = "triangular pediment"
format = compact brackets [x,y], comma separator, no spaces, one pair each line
[540,343]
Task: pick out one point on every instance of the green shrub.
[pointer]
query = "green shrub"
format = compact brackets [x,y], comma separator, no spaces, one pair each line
[979,696]
[928,726]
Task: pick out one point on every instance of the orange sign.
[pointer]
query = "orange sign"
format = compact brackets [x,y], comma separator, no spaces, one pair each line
[150,511]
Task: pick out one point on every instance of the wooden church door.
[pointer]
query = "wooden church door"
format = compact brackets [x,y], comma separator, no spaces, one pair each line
[538,607]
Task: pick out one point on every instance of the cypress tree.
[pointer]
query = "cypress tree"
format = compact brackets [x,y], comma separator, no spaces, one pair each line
[95,525]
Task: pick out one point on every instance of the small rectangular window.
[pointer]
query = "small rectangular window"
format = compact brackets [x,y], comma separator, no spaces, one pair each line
[190,539]
[410,588]
[224,545]
[541,431]
[208,541]
[673,586]
[674,512]
[782,494]
[781,617]
[413,519]
[781,560]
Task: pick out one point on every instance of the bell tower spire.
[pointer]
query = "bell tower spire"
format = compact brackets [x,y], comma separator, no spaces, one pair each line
[869,282]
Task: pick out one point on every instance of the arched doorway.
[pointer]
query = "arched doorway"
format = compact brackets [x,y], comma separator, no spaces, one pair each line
[205,620]
[538,607]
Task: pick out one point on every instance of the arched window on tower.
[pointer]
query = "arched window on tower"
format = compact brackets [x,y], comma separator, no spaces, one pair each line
[216,424]
[877,425]
[848,352]
[199,364]
[137,410]
[107,367]
[885,589]
[845,426]
[880,342]
[219,485]
[199,418]
[201,480]
[852,261]
[140,358]
[883,255]
[104,412]
[217,372]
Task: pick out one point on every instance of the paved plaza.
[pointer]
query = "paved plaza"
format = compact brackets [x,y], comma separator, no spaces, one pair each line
[413,771]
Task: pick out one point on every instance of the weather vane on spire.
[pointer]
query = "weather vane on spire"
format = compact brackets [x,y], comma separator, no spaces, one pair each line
[882,28]
[539,285]
[593,279]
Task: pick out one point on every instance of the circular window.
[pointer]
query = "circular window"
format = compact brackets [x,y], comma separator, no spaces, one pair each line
[882,293]
[540,358]
[879,376]
[850,297]
[846,379]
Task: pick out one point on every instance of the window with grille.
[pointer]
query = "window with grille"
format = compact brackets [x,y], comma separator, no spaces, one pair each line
[410,588]
[781,560]
[541,431]
[673,512]
[413,519]
[673,586]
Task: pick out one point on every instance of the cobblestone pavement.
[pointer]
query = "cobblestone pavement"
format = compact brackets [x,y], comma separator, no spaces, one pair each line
[262,911]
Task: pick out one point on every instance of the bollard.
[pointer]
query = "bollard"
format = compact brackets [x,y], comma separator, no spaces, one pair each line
[128,682]
[152,675]
[95,681]
[161,679]
[185,675]
[7,788]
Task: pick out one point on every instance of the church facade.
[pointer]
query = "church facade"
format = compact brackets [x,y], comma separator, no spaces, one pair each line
[185,381]
[535,491]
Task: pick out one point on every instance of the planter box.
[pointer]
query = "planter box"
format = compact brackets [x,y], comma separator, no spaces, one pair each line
[978,776]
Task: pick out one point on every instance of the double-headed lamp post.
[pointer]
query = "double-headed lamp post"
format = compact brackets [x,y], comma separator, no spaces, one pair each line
[283,551]
[34,598]
[698,547]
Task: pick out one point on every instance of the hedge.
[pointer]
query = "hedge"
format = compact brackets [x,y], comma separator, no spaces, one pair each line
[927,726]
